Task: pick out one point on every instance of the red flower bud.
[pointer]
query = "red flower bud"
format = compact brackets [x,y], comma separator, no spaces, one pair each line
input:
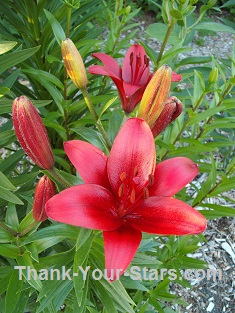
[31,133]
[172,109]
[44,190]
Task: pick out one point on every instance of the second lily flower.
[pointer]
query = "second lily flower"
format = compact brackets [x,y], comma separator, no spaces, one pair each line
[132,79]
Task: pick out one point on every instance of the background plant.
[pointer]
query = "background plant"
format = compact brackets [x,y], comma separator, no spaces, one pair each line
[31,64]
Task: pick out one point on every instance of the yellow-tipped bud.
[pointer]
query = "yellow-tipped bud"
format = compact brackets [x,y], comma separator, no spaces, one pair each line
[74,64]
[155,95]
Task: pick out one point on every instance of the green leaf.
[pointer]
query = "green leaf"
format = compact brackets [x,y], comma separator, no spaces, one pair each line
[11,79]
[43,75]
[187,262]
[132,284]
[6,46]
[228,4]
[6,105]
[57,230]
[176,14]
[204,115]
[107,105]
[159,30]
[115,122]
[56,27]
[216,211]
[25,261]
[7,137]
[232,80]
[3,91]
[11,216]
[5,237]
[9,196]
[91,136]
[5,183]
[224,185]
[57,295]
[14,58]
[27,220]
[23,300]
[214,27]
[13,292]
[195,60]
[9,251]
[83,247]
[207,185]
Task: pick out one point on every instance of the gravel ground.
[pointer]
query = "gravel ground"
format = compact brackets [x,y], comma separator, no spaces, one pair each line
[219,252]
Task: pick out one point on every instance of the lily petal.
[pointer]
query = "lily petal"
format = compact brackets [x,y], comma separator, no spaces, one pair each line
[134,97]
[89,161]
[109,63]
[172,175]
[132,157]
[89,206]
[120,246]
[176,77]
[135,69]
[101,70]
[166,216]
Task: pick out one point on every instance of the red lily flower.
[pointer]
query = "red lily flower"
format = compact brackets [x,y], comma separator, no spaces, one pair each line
[132,79]
[125,194]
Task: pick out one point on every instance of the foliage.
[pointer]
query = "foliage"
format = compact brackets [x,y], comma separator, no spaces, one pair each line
[31,64]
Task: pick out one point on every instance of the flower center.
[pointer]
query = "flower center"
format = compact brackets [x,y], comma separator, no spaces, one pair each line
[130,192]
[138,66]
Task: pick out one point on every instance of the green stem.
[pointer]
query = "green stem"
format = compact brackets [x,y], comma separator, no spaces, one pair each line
[28,228]
[69,11]
[8,229]
[60,179]
[96,117]
[169,30]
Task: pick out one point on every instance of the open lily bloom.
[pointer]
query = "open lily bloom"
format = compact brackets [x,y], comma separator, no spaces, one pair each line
[132,79]
[126,194]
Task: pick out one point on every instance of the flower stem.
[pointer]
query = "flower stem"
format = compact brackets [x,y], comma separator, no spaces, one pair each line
[59,178]
[8,229]
[169,30]
[69,11]
[28,228]
[96,117]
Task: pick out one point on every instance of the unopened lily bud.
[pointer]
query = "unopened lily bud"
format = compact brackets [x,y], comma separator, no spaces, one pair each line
[45,189]
[127,10]
[74,64]
[155,95]
[213,77]
[172,109]
[31,133]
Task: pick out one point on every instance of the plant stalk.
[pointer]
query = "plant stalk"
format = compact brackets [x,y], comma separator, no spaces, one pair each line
[96,117]
[28,228]
[169,30]
[8,229]
[59,178]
